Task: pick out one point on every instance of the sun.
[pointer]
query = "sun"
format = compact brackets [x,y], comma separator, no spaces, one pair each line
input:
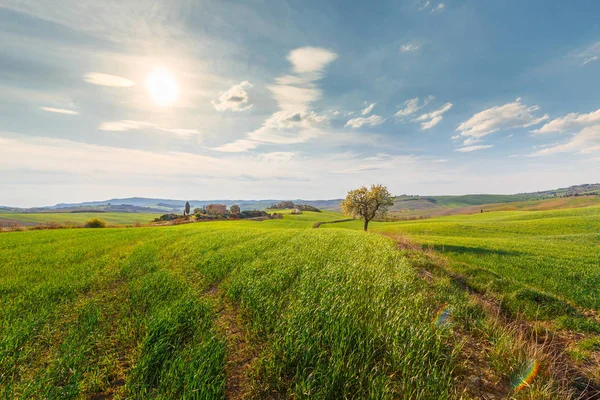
[162,87]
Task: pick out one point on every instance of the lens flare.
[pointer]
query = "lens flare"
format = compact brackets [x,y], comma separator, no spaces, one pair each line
[443,316]
[526,375]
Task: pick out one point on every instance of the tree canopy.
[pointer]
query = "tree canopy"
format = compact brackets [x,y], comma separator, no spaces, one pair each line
[367,203]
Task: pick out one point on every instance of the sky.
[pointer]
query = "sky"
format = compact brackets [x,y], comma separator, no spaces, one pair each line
[295,99]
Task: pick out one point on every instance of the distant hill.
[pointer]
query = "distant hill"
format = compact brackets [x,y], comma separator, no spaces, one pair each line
[414,206]
[435,205]
[151,205]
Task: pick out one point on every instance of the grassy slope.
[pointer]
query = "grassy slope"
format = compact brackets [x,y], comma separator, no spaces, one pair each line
[133,311]
[556,252]
[117,218]
[453,206]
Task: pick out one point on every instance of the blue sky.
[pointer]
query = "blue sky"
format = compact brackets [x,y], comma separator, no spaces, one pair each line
[295,99]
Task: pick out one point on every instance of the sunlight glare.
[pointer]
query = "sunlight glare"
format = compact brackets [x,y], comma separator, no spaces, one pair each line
[162,87]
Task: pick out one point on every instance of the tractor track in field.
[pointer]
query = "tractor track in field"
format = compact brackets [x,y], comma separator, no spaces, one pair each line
[240,353]
[552,345]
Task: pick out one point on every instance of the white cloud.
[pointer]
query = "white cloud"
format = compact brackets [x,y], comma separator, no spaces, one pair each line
[277,170]
[310,59]
[234,99]
[585,142]
[285,127]
[474,148]
[124,125]
[281,156]
[294,98]
[373,120]
[470,141]
[128,125]
[584,130]
[409,47]
[425,5]
[368,109]
[294,122]
[433,118]
[411,106]
[570,122]
[590,54]
[238,146]
[59,110]
[181,131]
[97,78]
[440,7]
[508,116]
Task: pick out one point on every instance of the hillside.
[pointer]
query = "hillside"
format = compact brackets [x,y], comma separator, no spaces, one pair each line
[434,205]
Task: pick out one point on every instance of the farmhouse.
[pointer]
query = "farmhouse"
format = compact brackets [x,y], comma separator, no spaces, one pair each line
[214,209]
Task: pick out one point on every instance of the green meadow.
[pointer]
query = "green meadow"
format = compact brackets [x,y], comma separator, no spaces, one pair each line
[135,312]
[275,308]
[539,262]
[113,218]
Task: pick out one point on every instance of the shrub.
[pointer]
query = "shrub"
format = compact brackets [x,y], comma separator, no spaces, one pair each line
[306,207]
[253,214]
[166,217]
[95,223]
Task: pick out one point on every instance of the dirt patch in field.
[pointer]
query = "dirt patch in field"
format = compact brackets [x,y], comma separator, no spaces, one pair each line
[239,353]
[9,223]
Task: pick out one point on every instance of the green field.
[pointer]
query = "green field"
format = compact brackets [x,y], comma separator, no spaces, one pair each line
[521,255]
[263,309]
[115,218]
[136,311]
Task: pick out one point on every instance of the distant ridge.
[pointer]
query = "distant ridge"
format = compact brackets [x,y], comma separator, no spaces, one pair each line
[158,205]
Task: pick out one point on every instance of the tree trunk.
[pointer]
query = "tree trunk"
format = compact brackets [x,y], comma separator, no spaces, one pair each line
[366,224]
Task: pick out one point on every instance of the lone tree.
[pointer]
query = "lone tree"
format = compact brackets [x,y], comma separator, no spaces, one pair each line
[234,210]
[187,209]
[367,203]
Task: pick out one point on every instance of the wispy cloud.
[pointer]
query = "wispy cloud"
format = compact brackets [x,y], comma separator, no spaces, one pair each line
[570,122]
[59,110]
[368,109]
[508,116]
[373,120]
[433,118]
[440,7]
[97,78]
[584,131]
[129,125]
[283,156]
[106,162]
[238,146]
[234,99]
[590,54]
[469,149]
[124,125]
[411,106]
[409,47]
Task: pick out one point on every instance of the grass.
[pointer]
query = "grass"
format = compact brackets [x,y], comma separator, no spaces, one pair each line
[129,312]
[113,218]
[327,313]
[541,262]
